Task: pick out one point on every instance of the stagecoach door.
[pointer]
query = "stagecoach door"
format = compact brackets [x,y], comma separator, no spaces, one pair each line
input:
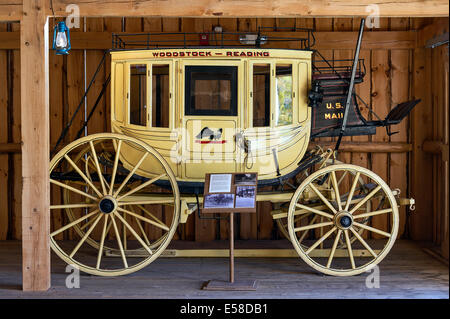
[149,114]
[150,101]
[212,99]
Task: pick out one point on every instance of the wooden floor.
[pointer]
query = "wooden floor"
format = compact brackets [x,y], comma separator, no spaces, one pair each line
[407,272]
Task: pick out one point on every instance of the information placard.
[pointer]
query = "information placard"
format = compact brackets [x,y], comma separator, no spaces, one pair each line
[230,193]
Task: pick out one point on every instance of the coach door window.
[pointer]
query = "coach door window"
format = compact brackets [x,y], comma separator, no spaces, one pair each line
[160,95]
[138,94]
[211,90]
[261,95]
[284,97]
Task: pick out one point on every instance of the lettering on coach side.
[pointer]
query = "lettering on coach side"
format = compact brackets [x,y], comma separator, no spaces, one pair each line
[248,53]
[333,116]
[180,54]
[183,54]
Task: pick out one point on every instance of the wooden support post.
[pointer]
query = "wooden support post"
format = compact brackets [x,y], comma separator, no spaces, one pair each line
[35,146]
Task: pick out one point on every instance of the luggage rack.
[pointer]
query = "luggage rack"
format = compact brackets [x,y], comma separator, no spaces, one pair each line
[152,40]
[336,69]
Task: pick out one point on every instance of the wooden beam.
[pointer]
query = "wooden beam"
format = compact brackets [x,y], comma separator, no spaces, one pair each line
[11,11]
[421,222]
[10,148]
[366,147]
[324,40]
[35,146]
[437,28]
[436,148]
[252,8]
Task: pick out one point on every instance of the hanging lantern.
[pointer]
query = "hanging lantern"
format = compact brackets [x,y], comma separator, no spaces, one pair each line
[61,39]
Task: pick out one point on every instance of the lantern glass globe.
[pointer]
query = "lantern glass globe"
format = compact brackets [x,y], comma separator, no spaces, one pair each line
[61,40]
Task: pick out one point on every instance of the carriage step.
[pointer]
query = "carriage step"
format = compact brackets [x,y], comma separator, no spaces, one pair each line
[398,113]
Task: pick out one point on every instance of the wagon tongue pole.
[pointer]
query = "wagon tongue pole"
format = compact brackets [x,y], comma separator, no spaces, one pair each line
[352,83]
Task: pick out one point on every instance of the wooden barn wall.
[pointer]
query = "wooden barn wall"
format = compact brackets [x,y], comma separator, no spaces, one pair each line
[430,136]
[387,83]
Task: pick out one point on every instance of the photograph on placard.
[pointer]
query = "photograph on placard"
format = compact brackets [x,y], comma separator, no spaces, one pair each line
[245,179]
[219,201]
[245,196]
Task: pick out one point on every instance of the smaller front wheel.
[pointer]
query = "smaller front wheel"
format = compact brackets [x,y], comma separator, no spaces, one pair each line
[336,218]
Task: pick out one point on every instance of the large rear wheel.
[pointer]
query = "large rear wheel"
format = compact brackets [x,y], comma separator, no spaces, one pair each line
[109,194]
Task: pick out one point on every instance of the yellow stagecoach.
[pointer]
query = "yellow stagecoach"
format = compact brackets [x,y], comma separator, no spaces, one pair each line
[179,111]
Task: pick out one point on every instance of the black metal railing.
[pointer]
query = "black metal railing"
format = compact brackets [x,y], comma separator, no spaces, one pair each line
[261,38]
[343,67]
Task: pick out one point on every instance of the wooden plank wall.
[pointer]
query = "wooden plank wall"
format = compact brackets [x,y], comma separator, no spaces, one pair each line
[430,136]
[388,82]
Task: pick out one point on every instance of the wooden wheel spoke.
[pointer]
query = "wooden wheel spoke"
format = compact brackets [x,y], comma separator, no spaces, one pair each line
[333,249]
[320,240]
[80,205]
[119,242]
[375,230]
[134,233]
[116,162]
[312,226]
[374,213]
[324,200]
[124,233]
[342,178]
[87,163]
[72,189]
[86,235]
[315,211]
[75,222]
[336,189]
[363,242]
[87,224]
[305,232]
[159,225]
[349,248]
[146,211]
[138,222]
[141,186]
[301,217]
[365,199]
[352,190]
[147,202]
[102,242]
[135,168]
[87,180]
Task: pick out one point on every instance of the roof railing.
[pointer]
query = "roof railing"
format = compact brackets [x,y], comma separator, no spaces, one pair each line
[261,38]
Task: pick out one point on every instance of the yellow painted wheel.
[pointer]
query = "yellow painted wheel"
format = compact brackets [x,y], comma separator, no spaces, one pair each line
[335,219]
[112,203]
[87,163]
[282,222]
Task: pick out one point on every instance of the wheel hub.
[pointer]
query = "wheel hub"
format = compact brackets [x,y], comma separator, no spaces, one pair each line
[343,220]
[107,205]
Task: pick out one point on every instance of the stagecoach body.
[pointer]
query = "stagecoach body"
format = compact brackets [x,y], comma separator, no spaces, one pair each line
[180,113]
[214,110]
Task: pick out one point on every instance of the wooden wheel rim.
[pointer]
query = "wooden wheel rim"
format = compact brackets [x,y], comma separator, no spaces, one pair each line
[92,242]
[283,226]
[343,272]
[165,240]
